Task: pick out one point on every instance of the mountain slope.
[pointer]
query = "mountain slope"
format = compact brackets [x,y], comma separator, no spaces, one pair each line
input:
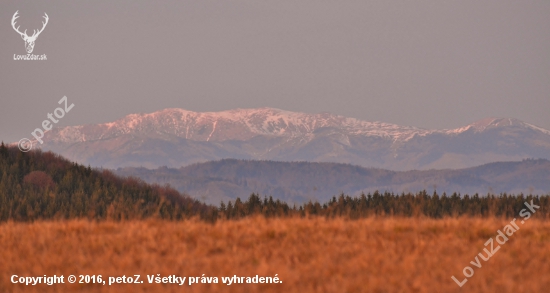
[44,186]
[303,181]
[176,137]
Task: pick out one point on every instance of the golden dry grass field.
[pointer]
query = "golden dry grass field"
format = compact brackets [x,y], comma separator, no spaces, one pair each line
[309,255]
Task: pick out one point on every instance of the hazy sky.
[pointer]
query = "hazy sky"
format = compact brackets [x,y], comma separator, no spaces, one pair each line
[431,64]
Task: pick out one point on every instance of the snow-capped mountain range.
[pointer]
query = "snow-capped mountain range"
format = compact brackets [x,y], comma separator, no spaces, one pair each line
[177,137]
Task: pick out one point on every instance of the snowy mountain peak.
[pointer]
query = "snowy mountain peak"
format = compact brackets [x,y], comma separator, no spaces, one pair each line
[243,124]
[177,137]
[490,123]
[239,124]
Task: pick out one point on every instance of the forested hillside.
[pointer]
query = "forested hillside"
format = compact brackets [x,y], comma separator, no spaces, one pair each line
[42,185]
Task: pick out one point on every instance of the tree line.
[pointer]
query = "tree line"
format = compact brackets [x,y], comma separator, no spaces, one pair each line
[390,204]
[41,185]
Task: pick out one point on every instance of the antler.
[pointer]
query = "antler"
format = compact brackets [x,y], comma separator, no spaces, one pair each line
[35,33]
[43,25]
[15,16]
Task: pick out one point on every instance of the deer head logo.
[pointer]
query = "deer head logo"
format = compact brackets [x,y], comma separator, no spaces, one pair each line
[29,41]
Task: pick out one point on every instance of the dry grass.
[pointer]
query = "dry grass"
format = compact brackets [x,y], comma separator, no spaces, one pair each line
[309,255]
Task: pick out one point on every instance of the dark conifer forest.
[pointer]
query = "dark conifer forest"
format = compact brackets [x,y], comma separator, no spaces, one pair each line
[41,185]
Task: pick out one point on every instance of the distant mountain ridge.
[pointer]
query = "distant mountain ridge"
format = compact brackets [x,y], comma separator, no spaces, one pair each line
[177,137]
[298,182]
